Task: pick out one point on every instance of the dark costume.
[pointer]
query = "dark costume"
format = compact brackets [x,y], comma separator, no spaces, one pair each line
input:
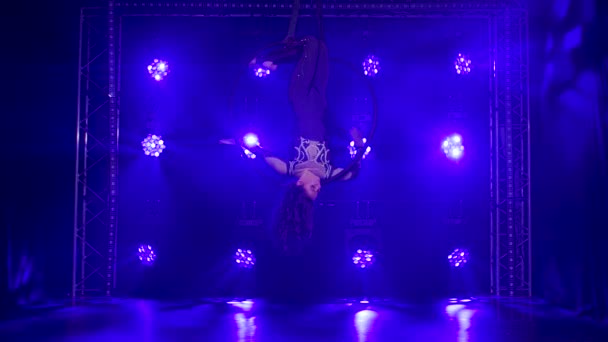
[307,96]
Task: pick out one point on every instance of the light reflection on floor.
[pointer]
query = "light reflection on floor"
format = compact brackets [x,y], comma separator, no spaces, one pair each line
[244,321]
[245,327]
[463,316]
[364,321]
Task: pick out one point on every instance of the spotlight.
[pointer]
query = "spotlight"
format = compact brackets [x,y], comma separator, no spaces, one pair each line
[153,145]
[261,71]
[248,154]
[251,140]
[158,69]
[371,66]
[462,64]
[146,254]
[458,258]
[244,258]
[352,150]
[452,147]
[363,258]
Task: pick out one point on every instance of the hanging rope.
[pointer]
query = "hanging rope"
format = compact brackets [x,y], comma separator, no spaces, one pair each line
[295,12]
[320,20]
[321,38]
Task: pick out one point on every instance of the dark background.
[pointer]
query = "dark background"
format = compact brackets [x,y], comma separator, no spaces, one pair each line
[568,168]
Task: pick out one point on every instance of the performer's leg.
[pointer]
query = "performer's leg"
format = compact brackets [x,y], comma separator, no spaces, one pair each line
[307,89]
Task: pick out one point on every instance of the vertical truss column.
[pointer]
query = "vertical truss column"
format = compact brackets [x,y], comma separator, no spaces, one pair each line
[524,242]
[512,212]
[493,110]
[77,181]
[92,156]
[508,234]
[113,151]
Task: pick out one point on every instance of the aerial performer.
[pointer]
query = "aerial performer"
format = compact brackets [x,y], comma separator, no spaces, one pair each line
[311,166]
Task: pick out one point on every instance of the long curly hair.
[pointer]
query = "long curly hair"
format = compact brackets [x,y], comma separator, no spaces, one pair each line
[295,219]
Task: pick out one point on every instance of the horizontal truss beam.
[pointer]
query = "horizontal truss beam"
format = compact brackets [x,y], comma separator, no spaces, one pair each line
[339,5]
[338,9]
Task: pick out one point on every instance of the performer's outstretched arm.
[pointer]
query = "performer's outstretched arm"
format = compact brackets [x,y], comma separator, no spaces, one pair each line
[275,163]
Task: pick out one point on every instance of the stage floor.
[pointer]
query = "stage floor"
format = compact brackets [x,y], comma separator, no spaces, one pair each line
[485,320]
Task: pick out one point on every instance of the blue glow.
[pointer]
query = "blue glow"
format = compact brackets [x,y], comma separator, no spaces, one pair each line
[573,38]
[560,8]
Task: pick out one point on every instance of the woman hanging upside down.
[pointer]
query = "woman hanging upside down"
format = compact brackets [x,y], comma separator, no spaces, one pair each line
[311,163]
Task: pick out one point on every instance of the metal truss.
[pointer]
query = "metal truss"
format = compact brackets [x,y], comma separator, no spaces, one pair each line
[363,226]
[96,191]
[339,8]
[249,215]
[511,217]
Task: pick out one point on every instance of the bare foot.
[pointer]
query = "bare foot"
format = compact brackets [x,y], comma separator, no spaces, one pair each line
[270,65]
[228,141]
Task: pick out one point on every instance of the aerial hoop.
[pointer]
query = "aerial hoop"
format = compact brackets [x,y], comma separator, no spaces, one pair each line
[374,115]
[372,130]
